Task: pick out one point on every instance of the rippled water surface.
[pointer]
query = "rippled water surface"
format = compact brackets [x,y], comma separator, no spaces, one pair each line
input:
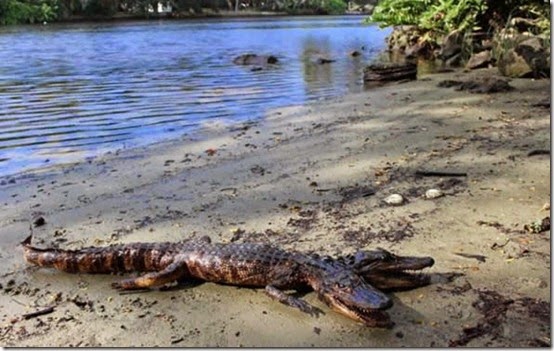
[70,91]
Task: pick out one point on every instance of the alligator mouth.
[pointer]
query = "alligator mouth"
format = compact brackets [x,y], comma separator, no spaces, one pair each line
[368,316]
[396,281]
[403,274]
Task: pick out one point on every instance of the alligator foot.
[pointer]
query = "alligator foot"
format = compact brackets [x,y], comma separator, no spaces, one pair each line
[171,273]
[292,301]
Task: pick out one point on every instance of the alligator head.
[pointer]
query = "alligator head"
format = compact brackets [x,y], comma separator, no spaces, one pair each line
[349,294]
[387,271]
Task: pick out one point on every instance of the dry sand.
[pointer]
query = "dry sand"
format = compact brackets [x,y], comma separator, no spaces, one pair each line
[309,178]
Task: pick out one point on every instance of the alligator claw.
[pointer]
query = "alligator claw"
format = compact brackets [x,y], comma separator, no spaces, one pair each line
[124,286]
[312,311]
[117,286]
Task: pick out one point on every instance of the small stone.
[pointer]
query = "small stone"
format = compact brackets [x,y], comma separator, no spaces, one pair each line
[394,200]
[40,221]
[433,193]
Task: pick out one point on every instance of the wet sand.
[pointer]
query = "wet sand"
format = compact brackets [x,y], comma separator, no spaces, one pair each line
[307,178]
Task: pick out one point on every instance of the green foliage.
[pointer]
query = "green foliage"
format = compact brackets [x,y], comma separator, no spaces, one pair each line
[449,15]
[399,12]
[334,7]
[27,11]
[434,15]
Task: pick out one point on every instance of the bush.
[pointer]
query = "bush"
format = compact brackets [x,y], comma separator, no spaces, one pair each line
[399,12]
[27,11]
[334,7]
[442,16]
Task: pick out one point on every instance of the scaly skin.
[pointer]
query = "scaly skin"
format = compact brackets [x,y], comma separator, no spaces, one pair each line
[338,282]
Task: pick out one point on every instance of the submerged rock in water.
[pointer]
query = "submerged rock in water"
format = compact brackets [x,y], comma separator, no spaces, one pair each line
[323,60]
[254,59]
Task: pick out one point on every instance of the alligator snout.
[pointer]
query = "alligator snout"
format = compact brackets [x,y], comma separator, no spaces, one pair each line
[385,304]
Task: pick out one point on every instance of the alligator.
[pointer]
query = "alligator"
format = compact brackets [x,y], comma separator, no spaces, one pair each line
[349,284]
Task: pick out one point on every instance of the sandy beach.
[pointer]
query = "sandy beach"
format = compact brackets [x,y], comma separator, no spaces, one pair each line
[310,177]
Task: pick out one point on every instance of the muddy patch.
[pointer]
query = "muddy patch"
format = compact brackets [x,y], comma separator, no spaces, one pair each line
[494,307]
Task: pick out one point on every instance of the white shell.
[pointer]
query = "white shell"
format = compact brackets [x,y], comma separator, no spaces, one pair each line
[433,193]
[394,200]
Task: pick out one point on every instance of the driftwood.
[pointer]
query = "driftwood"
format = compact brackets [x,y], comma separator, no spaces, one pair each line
[390,72]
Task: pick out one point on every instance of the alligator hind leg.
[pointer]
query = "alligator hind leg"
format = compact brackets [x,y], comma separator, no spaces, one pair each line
[171,273]
[292,301]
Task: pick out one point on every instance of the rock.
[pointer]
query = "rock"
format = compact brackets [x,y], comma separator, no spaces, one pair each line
[538,226]
[355,53]
[394,200]
[368,8]
[479,60]
[528,59]
[390,71]
[479,86]
[415,50]
[256,60]
[323,60]
[402,37]
[454,61]
[433,194]
[451,45]
[39,221]
[524,24]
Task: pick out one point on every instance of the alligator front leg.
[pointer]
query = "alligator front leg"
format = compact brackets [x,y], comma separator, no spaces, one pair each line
[292,301]
[171,273]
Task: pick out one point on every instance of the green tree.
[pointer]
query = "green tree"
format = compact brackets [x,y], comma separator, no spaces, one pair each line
[28,11]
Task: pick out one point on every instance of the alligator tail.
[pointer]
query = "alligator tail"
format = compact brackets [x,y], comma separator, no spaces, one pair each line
[110,259]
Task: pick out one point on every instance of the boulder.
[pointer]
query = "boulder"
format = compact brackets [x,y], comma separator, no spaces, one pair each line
[413,51]
[256,60]
[454,61]
[524,24]
[479,60]
[528,59]
[451,45]
[380,72]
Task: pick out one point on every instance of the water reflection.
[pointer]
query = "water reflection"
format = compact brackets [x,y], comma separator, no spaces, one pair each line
[79,89]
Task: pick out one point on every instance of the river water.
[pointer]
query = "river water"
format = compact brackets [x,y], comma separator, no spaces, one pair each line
[75,90]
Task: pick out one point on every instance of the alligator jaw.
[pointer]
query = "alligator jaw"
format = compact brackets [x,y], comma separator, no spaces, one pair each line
[397,281]
[389,272]
[370,317]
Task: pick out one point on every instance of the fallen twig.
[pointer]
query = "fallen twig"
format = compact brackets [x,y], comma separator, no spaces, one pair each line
[479,258]
[44,311]
[538,152]
[440,174]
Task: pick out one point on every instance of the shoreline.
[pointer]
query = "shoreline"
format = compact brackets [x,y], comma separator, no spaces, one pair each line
[187,16]
[299,179]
